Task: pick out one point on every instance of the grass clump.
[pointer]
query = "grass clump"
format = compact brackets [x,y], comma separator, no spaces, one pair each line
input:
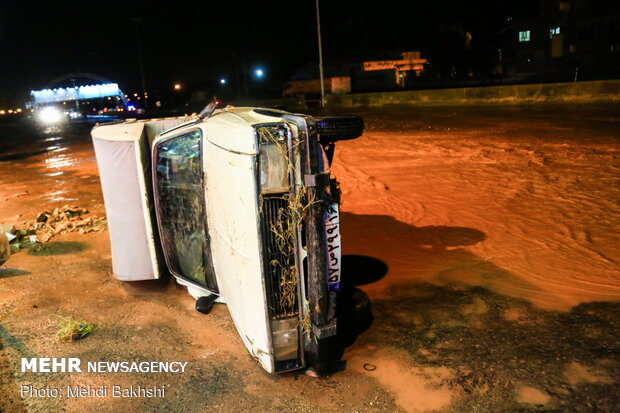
[71,329]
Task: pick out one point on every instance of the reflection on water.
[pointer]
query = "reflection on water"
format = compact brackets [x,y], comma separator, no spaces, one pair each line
[60,195]
[55,159]
[52,194]
[52,129]
[56,148]
[44,162]
[60,161]
[61,199]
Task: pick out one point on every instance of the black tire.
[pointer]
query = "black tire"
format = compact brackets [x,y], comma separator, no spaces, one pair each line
[354,315]
[339,128]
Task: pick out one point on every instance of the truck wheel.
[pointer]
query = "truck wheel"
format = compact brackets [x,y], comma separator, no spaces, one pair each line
[354,315]
[339,128]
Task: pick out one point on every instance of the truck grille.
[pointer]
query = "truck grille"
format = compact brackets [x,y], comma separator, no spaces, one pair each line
[279,266]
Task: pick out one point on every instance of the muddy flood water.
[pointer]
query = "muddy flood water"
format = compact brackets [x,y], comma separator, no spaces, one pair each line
[487,239]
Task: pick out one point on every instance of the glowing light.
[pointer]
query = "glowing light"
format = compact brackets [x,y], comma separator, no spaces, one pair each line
[177,86]
[19,110]
[222,81]
[10,110]
[259,73]
[49,115]
[2,112]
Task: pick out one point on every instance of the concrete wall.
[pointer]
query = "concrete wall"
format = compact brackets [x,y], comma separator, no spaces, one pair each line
[576,92]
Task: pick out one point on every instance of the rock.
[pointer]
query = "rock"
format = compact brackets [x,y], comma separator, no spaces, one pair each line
[5,248]
[10,228]
[51,223]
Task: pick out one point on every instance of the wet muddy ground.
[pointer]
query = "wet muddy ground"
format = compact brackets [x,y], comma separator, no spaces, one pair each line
[487,240]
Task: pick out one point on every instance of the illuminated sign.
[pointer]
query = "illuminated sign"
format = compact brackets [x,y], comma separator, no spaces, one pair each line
[75,93]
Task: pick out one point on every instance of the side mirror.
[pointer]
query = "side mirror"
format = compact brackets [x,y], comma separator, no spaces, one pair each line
[208,110]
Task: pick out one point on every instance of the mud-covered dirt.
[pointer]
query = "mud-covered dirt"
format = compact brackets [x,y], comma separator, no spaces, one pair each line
[487,240]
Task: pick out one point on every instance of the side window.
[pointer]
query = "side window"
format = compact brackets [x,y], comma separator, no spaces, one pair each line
[181,208]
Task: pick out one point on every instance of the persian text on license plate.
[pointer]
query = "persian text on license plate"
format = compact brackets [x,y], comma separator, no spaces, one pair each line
[334,249]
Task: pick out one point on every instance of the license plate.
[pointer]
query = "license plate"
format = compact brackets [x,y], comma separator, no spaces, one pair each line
[334,248]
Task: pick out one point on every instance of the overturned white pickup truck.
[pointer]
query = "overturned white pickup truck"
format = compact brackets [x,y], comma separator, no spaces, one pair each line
[240,204]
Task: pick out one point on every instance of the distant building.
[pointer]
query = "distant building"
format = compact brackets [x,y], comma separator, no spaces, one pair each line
[410,62]
[312,87]
[568,40]
[385,72]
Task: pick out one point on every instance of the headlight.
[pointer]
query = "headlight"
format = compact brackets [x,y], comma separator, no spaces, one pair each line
[285,338]
[273,164]
[49,115]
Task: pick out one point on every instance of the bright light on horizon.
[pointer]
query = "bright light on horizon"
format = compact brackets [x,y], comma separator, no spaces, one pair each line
[49,115]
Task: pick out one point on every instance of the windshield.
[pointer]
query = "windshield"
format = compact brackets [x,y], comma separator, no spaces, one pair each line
[181,208]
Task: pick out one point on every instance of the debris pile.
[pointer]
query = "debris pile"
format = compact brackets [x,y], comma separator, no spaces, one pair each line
[51,223]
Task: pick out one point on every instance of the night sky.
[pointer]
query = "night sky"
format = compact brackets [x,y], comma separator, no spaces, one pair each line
[196,43]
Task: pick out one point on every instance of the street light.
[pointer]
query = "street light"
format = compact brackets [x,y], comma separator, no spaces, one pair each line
[259,73]
[177,86]
[223,81]
[318,29]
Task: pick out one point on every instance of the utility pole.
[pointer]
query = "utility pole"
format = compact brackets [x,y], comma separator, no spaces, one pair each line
[318,27]
[77,103]
[137,20]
